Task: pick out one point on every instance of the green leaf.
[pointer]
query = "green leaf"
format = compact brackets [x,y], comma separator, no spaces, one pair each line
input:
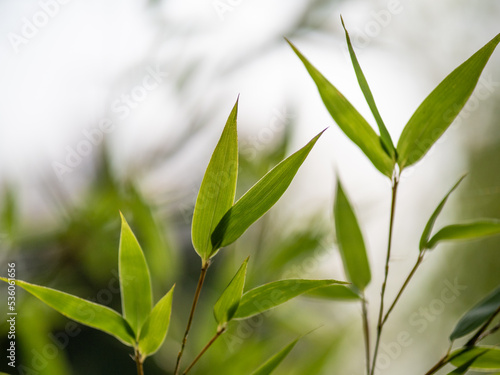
[260,198]
[228,303]
[430,224]
[439,109]
[350,241]
[349,119]
[465,367]
[85,312]
[155,328]
[465,231]
[270,365]
[268,296]
[335,292]
[135,282]
[385,137]
[217,189]
[477,316]
[488,358]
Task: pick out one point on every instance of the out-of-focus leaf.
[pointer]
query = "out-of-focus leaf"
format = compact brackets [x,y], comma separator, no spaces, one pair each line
[267,296]
[335,292]
[155,328]
[465,231]
[350,241]
[135,281]
[228,303]
[91,314]
[270,365]
[385,137]
[478,315]
[465,367]
[349,119]
[217,189]
[430,224]
[439,109]
[488,358]
[260,198]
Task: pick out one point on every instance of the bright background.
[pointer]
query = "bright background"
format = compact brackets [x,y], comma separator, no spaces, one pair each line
[67,68]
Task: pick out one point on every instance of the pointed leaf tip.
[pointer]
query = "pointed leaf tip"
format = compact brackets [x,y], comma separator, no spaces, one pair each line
[228,302]
[440,108]
[260,198]
[155,328]
[218,188]
[350,121]
[135,280]
[350,241]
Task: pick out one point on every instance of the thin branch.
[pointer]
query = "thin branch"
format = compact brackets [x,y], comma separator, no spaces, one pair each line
[403,287]
[442,362]
[481,330]
[138,362]
[366,332]
[219,332]
[489,332]
[203,273]
[384,284]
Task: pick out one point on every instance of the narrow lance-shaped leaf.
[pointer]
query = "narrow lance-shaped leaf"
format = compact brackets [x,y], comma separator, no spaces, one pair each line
[155,328]
[228,303]
[430,224]
[85,312]
[217,189]
[385,137]
[465,231]
[270,365]
[260,198]
[335,292]
[478,315]
[439,109]
[488,358]
[268,296]
[350,241]
[135,282]
[349,119]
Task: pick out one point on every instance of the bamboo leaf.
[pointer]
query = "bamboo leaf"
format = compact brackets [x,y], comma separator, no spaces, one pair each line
[260,198]
[465,231]
[268,296]
[155,328]
[228,303]
[478,315]
[465,367]
[488,358]
[217,189]
[135,282]
[385,137]
[349,119]
[439,109]
[350,241]
[335,292]
[270,365]
[85,312]
[430,224]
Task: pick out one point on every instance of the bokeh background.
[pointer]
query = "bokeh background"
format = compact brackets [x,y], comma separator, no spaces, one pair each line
[160,77]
